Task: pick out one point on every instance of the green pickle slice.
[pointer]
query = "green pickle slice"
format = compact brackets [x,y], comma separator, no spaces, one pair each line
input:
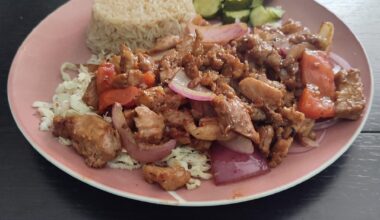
[207,8]
[236,5]
[261,15]
[232,16]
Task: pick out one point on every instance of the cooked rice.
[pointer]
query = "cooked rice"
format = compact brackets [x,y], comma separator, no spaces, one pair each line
[135,23]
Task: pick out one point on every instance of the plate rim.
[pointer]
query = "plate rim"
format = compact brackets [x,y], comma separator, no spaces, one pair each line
[178,202]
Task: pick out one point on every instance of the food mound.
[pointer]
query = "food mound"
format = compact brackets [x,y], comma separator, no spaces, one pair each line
[196,104]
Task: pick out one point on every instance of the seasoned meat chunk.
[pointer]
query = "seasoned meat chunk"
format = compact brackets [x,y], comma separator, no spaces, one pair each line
[350,101]
[201,109]
[208,130]
[200,145]
[291,27]
[120,81]
[234,115]
[180,135]
[263,53]
[266,137]
[295,117]
[177,118]
[134,77]
[90,97]
[150,125]
[279,151]
[260,92]
[169,178]
[153,98]
[128,59]
[168,66]
[145,63]
[232,66]
[92,137]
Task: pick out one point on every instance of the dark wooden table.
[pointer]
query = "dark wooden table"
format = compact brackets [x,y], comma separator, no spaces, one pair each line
[32,188]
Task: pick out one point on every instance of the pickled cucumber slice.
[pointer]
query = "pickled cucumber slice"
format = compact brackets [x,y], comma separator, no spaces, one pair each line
[232,16]
[207,8]
[276,13]
[260,15]
[256,3]
[236,5]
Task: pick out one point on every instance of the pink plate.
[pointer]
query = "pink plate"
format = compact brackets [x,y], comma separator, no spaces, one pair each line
[61,37]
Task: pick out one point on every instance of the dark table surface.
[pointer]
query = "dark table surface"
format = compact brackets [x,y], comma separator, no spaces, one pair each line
[32,188]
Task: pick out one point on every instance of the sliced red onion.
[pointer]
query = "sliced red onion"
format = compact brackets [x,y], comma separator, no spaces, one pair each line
[179,85]
[228,166]
[325,124]
[239,144]
[339,62]
[145,153]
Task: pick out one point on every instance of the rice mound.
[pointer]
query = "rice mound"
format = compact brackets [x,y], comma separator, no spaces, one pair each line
[135,23]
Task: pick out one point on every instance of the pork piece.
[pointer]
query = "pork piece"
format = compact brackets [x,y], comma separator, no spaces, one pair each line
[165,43]
[152,98]
[233,115]
[92,137]
[169,178]
[150,125]
[306,37]
[177,118]
[128,60]
[260,92]
[173,100]
[134,77]
[291,27]
[200,145]
[201,109]
[116,60]
[191,66]
[208,130]
[120,81]
[158,99]
[213,58]
[185,46]
[279,151]
[222,88]
[232,66]
[168,66]
[263,53]
[90,97]
[256,114]
[266,137]
[145,62]
[295,117]
[179,134]
[350,101]
[209,79]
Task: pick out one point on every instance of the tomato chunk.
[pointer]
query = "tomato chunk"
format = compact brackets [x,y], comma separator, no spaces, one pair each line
[104,77]
[314,105]
[125,97]
[316,69]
